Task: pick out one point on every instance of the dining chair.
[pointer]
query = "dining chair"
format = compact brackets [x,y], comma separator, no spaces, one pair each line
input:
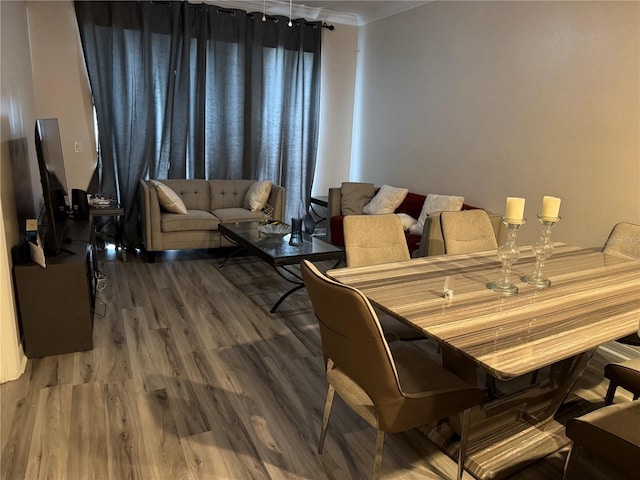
[467,231]
[393,386]
[624,374]
[605,444]
[375,240]
[624,240]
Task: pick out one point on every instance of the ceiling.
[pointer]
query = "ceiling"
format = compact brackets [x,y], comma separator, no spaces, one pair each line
[363,11]
[345,12]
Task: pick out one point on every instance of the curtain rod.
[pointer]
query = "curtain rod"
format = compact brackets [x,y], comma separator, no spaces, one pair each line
[226,10]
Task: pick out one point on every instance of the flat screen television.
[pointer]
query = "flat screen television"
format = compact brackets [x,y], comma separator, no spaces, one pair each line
[53,219]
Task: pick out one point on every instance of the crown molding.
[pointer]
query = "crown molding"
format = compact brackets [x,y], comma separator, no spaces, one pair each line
[275,7]
[374,11]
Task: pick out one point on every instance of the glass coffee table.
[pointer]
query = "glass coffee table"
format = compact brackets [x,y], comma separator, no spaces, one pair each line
[276,251]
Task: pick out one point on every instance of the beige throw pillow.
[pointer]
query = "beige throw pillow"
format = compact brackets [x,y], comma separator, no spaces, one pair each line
[257,196]
[354,196]
[386,200]
[169,200]
[439,203]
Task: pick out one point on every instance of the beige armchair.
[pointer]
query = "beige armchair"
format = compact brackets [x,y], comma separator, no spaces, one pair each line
[394,387]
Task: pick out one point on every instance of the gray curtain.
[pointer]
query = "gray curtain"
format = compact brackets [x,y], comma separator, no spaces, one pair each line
[198,91]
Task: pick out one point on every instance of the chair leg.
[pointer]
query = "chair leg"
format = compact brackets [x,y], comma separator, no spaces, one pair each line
[464,434]
[377,463]
[325,418]
[611,391]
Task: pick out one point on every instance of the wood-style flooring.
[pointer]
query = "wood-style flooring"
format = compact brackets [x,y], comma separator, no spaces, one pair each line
[191,377]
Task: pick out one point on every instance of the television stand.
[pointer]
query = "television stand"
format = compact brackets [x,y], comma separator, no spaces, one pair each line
[55,303]
[67,250]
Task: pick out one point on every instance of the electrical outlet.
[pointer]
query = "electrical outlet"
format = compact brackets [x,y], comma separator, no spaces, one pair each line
[32,225]
[77,146]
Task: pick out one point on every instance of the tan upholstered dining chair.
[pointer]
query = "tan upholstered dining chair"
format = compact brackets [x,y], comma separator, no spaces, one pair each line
[375,240]
[606,444]
[624,240]
[467,231]
[625,375]
[394,387]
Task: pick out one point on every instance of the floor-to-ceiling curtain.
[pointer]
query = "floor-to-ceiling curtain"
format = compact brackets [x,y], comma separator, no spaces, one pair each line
[198,91]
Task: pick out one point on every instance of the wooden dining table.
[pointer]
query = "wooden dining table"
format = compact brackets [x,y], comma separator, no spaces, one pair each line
[593,298]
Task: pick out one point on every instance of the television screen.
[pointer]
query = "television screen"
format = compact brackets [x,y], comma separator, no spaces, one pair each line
[54,184]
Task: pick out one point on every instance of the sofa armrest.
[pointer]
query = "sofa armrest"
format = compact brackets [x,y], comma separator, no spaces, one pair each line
[334,208]
[277,201]
[150,216]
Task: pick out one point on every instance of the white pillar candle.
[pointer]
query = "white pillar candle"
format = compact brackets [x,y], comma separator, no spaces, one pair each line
[514,212]
[550,207]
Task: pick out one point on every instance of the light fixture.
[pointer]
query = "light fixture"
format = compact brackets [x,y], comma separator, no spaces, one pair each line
[290,22]
[264,10]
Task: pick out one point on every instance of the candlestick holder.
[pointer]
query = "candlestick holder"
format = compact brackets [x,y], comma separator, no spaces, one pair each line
[508,254]
[542,249]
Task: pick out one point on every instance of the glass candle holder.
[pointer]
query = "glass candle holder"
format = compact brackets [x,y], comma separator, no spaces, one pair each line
[296,237]
[542,249]
[508,254]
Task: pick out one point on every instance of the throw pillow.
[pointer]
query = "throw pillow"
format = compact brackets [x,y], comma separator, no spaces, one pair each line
[257,196]
[354,196]
[386,200]
[439,203]
[407,221]
[169,200]
[416,229]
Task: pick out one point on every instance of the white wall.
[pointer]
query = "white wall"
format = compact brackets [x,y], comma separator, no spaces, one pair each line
[42,75]
[62,86]
[339,54]
[16,125]
[497,99]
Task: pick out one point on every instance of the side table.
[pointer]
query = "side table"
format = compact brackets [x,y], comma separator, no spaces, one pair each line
[115,211]
[313,218]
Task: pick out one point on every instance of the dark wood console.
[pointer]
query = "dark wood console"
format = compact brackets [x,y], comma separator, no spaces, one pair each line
[56,303]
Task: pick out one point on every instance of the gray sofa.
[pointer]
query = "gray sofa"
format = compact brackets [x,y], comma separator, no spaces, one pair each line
[208,203]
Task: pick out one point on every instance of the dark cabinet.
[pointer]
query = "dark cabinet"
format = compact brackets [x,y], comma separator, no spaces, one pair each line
[56,303]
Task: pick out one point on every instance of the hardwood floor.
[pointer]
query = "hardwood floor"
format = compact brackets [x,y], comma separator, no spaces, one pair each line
[192,378]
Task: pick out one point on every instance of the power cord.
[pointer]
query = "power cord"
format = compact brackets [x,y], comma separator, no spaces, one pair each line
[101,280]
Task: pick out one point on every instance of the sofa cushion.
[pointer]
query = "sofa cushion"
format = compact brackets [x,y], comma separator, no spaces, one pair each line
[256,197]
[440,203]
[231,215]
[354,196]
[169,200]
[228,193]
[192,220]
[386,200]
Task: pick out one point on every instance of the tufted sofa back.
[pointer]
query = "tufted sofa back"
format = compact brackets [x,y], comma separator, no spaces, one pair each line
[194,192]
[228,193]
